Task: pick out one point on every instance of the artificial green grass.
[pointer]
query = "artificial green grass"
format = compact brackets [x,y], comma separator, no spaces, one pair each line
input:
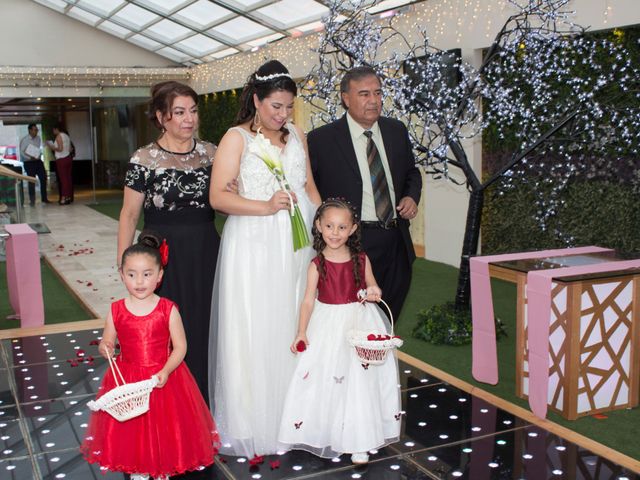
[59,305]
[435,283]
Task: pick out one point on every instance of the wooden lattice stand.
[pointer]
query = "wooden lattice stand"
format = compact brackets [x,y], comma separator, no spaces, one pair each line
[594,352]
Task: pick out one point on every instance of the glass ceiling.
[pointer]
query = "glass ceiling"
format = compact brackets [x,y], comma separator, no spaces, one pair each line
[191,32]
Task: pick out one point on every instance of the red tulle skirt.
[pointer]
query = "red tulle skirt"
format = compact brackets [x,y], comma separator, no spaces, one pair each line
[176,435]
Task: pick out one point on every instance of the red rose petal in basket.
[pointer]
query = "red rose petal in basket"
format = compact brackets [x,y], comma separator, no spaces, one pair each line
[301,346]
[371,336]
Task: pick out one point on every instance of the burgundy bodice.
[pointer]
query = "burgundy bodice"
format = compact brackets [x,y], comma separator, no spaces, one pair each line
[339,286]
[143,340]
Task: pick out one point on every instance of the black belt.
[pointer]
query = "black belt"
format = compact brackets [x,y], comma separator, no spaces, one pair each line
[385,226]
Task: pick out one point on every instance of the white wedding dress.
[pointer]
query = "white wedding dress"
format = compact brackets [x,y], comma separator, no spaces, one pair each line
[258,288]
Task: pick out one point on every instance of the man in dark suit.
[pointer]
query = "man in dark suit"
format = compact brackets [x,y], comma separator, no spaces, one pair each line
[368,160]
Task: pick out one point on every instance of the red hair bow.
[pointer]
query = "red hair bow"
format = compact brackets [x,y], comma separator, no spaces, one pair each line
[164,253]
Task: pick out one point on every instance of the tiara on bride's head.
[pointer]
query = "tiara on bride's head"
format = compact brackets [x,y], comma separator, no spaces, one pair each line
[271,77]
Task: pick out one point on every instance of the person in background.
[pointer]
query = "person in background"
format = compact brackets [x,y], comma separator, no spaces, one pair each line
[61,147]
[33,166]
[368,160]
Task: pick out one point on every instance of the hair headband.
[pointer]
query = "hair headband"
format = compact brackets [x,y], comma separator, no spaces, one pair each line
[271,77]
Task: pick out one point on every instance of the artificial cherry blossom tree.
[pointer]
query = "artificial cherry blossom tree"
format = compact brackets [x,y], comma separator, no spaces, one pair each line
[563,101]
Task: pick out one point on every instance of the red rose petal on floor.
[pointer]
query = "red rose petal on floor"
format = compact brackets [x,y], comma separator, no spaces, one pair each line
[80,353]
[94,342]
[275,464]
[599,416]
[257,460]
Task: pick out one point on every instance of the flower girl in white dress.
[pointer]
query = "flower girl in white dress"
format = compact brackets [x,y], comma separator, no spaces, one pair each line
[336,403]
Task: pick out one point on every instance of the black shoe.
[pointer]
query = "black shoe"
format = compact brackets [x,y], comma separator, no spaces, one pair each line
[32,204]
[66,201]
[46,201]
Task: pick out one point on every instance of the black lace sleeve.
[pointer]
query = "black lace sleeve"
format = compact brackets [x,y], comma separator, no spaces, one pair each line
[136,177]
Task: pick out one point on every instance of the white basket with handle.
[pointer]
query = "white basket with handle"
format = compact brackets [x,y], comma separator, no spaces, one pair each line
[374,351]
[126,400]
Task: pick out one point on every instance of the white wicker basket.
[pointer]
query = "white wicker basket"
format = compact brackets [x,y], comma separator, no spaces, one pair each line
[126,400]
[373,352]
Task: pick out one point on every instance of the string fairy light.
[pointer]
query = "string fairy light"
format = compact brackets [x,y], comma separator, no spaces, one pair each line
[296,51]
[540,75]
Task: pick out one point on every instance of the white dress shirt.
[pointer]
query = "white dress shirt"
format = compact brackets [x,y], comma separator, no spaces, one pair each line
[359,141]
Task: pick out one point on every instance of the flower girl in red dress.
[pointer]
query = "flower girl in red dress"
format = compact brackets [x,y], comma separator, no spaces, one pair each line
[177,434]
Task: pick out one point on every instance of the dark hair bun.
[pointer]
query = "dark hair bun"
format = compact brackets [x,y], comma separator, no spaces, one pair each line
[150,239]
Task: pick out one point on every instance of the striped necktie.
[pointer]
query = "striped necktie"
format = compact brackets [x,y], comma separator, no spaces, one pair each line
[381,194]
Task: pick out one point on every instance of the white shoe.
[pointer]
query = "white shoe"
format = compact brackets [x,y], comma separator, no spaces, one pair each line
[360,458]
[139,476]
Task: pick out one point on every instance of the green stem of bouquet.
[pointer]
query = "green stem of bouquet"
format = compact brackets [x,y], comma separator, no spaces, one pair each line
[298,227]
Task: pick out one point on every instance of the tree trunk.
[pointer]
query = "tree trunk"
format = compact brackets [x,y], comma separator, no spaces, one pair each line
[469,247]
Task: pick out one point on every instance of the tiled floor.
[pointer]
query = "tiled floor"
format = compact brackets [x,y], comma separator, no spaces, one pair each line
[44,388]
[47,380]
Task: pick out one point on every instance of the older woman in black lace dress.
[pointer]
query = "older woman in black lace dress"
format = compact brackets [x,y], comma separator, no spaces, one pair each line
[168,181]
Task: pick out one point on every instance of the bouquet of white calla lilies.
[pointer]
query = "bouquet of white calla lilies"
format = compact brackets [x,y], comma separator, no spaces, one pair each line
[261,147]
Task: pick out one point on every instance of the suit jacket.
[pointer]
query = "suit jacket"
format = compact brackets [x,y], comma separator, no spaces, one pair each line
[335,167]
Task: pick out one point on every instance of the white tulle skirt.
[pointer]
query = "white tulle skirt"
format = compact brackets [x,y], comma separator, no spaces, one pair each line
[258,289]
[336,404]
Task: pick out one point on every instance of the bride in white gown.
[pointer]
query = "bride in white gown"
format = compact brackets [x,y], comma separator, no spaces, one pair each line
[260,280]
